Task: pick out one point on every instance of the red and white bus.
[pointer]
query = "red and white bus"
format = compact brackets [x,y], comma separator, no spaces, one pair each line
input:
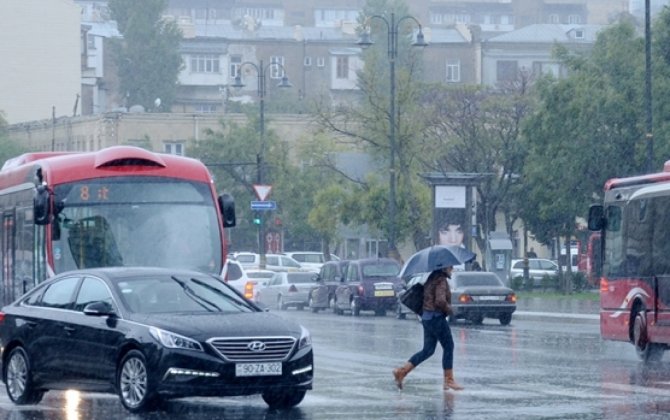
[634,226]
[120,206]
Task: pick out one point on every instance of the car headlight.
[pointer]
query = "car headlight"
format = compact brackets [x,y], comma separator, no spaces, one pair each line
[174,341]
[305,338]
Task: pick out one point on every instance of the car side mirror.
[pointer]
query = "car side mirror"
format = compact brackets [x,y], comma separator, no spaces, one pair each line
[99,308]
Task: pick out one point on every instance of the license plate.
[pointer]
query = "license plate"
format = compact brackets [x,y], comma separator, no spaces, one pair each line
[258,369]
[381,293]
[490,297]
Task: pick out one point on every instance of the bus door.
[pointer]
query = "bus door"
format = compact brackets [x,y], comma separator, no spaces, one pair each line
[7,249]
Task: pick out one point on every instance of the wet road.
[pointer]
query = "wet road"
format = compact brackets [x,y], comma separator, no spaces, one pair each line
[541,366]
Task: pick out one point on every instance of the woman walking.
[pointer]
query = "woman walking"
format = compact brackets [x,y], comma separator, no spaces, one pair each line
[436,307]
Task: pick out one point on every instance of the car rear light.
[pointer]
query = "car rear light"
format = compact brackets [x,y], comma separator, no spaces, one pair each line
[510,298]
[2,317]
[361,290]
[292,289]
[249,290]
[465,298]
[603,285]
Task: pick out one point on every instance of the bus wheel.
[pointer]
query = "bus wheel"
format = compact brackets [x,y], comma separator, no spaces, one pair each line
[646,351]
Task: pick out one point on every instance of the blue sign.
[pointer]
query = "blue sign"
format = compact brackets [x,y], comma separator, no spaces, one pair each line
[263,205]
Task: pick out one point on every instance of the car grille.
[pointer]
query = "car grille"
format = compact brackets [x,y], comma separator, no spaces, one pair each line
[249,349]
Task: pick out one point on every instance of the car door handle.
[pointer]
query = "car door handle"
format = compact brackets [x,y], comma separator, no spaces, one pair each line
[69,330]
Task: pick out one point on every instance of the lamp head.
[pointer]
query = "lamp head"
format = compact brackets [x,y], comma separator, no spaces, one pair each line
[238,82]
[365,40]
[284,83]
[420,40]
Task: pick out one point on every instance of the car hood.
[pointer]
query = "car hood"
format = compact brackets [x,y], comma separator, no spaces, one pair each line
[206,325]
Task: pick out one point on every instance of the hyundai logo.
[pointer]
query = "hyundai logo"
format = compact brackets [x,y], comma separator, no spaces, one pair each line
[256,346]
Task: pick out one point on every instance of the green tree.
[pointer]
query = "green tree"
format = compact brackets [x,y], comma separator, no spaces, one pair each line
[366,125]
[588,128]
[148,57]
[477,130]
[8,147]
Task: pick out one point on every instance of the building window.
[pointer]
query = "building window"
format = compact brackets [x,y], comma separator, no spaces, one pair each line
[205,63]
[453,71]
[174,148]
[553,18]
[342,71]
[277,67]
[320,62]
[507,70]
[205,108]
[579,34]
[235,63]
[574,19]
[308,61]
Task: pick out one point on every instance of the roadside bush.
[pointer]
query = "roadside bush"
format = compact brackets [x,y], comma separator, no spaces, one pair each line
[549,282]
[579,282]
[517,282]
[529,284]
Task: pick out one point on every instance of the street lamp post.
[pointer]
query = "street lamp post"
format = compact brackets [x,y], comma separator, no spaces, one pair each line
[392,26]
[261,71]
[647,87]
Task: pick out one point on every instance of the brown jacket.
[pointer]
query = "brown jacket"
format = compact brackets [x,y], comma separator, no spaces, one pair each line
[436,294]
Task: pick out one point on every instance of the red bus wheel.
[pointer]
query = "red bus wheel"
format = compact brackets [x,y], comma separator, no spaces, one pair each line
[646,351]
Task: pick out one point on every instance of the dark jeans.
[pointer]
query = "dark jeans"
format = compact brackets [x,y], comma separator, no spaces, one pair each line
[434,330]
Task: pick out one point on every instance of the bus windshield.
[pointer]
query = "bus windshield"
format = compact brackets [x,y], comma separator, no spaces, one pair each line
[136,221]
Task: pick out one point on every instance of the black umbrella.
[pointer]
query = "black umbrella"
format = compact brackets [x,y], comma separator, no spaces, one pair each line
[436,257]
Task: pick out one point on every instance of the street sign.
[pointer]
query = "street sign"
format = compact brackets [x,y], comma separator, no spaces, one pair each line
[263,205]
[262,191]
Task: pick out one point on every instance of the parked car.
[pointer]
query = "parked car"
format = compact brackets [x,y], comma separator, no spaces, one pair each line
[537,269]
[273,262]
[322,294]
[256,279]
[308,260]
[287,289]
[369,284]
[149,334]
[476,295]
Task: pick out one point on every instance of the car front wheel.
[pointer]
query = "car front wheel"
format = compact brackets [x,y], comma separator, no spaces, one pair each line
[133,383]
[18,379]
[284,398]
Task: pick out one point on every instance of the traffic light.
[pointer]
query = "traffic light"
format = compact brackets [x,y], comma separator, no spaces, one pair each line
[257,220]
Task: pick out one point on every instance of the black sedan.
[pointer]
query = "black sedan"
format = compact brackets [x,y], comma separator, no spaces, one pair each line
[476,295]
[150,334]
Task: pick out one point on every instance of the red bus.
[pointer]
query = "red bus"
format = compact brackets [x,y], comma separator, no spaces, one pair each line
[634,227]
[120,206]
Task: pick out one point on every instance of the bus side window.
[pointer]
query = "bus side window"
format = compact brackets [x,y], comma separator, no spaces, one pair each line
[614,242]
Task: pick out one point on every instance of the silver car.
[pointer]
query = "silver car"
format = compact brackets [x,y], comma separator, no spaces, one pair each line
[287,289]
[537,269]
[476,295]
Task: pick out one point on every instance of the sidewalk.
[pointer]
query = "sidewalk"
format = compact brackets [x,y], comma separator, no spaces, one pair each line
[563,309]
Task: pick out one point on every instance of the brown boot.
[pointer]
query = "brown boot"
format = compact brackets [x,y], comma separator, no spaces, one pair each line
[449,382]
[400,373]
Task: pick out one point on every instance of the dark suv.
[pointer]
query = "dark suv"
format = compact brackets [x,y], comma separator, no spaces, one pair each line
[369,285]
[322,295]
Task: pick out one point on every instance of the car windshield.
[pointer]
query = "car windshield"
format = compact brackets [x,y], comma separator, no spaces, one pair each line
[163,294]
[246,258]
[478,280]
[381,270]
[300,277]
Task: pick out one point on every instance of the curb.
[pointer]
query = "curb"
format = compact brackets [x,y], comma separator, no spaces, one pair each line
[558,316]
